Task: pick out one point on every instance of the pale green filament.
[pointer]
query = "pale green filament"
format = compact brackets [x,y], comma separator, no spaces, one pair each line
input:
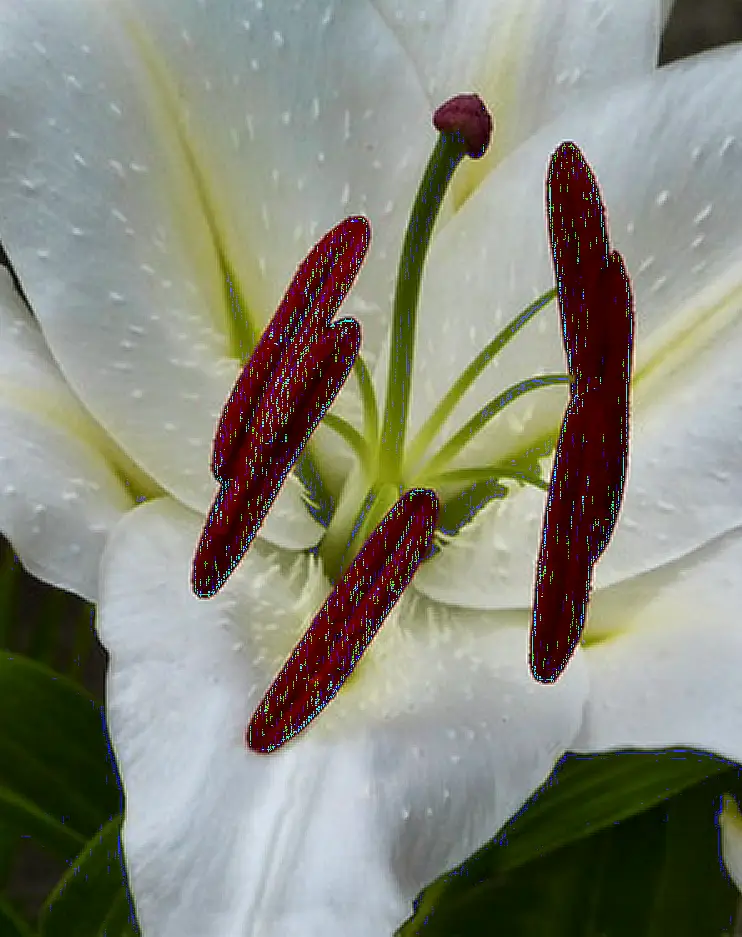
[484,474]
[361,443]
[438,417]
[469,430]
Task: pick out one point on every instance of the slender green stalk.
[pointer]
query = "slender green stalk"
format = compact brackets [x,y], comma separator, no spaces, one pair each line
[460,439]
[368,400]
[447,154]
[438,417]
[347,432]
[486,473]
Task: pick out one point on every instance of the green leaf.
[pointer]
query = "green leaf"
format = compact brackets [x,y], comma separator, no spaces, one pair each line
[91,899]
[587,793]
[9,582]
[655,875]
[53,749]
[554,837]
[11,923]
[20,817]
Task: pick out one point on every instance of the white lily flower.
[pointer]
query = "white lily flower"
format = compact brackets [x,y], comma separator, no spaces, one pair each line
[165,167]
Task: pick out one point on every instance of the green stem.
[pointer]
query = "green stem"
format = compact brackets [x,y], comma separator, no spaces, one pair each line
[457,442]
[361,444]
[345,520]
[386,497]
[347,432]
[486,473]
[368,399]
[447,154]
[438,417]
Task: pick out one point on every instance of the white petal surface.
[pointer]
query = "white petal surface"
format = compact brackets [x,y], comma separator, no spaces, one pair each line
[436,740]
[528,59]
[668,157]
[668,670]
[141,156]
[730,822]
[60,491]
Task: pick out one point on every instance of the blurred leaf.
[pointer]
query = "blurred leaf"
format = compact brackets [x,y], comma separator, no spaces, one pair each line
[20,817]
[8,847]
[53,748]
[91,899]
[11,923]
[83,643]
[655,875]
[548,861]
[10,571]
[587,793]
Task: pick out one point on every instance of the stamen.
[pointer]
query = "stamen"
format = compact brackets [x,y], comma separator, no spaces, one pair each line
[589,473]
[346,624]
[261,466]
[579,243]
[296,371]
[313,297]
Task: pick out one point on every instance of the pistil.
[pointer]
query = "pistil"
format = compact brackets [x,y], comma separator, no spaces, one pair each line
[465,127]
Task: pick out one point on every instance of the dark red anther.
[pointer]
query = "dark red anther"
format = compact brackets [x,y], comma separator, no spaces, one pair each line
[466,115]
[579,244]
[314,296]
[591,460]
[296,371]
[348,621]
[263,461]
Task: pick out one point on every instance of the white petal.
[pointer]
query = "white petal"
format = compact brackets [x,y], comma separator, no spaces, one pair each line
[665,670]
[112,222]
[434,742]
[61,491]
[667,155]
[528,59]
[730,822]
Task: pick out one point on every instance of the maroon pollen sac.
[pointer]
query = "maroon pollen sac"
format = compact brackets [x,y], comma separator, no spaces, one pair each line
[315,294]
[292,377]
[579,244]
[266,456]
[346,624]
[591,461]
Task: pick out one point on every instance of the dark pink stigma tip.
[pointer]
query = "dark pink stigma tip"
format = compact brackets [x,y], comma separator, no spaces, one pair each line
[346,624]
[317,289]
[466,115]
